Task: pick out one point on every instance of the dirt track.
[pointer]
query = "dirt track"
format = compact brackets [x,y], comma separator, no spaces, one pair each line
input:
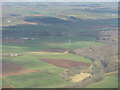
[58,50]
[31,23]
[9,69]
[63,63]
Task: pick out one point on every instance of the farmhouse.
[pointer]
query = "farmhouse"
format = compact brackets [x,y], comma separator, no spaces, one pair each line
[15,54]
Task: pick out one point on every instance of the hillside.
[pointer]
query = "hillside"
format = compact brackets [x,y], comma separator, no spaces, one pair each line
[59,45]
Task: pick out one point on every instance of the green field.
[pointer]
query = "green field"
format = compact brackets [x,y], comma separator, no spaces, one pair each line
[43,43]
[40,79]
[109,81]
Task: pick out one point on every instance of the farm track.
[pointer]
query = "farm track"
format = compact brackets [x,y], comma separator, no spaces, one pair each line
[56,50]
[9,82]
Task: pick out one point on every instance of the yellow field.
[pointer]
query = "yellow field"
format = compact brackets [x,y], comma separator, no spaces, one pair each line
[80,77]
[45,53]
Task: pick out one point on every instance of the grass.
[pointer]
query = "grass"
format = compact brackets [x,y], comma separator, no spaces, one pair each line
[109,81]
[41,80]
[4,83]
[67,56]
[74,45]
[42,43]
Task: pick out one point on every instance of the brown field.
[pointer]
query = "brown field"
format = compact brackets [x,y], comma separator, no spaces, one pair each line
[63,63]
[58,50]
[4,55]
[9,69]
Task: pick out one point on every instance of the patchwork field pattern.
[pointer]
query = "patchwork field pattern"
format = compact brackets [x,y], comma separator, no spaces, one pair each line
[41,41]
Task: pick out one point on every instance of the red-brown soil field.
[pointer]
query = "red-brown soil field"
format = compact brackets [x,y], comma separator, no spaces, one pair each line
[63,63]
[9,69]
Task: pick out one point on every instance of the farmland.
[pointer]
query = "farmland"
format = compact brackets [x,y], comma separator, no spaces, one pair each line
[106,82]
[45,46]
[30,60]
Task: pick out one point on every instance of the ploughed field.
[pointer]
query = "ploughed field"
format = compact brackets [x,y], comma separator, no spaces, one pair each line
[9,69]
[63,63]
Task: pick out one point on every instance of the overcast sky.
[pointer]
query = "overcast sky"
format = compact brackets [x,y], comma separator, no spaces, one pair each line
[60,0]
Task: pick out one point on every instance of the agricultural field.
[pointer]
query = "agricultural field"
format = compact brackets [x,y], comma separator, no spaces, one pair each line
[110,81]
[32,63]
[44,46]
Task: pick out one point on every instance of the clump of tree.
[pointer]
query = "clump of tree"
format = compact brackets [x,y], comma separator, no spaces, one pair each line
[111,66]
[65,76]
[72,71]
[97,67]
[86,82]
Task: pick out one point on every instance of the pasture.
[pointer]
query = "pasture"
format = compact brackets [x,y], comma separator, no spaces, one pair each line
[109,81]
[43,43]
[40,79]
